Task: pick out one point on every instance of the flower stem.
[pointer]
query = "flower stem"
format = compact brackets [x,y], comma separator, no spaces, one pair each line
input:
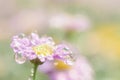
[35,70]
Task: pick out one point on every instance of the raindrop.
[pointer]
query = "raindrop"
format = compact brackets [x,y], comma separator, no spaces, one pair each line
[20,59]
[22,35]
[69,62]
[30,78]
[31,74]
[50,41]
[70,59]
[32,70]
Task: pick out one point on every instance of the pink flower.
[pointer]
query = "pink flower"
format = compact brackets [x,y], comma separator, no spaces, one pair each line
[38,48]
[81,70]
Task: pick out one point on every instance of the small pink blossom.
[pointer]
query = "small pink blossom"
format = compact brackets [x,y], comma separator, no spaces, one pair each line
[33,47]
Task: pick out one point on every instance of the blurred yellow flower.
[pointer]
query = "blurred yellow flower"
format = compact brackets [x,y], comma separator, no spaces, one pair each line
[106,40]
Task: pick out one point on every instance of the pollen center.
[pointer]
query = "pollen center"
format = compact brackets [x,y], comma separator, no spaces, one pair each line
[43,49]
[60,65]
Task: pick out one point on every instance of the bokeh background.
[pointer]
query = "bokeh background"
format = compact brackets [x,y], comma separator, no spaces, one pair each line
[92,26]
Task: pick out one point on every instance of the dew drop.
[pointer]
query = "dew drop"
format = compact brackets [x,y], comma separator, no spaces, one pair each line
[30,78]
[19,59]
[31,74]
[69,62]
[70,59]
[32,70]
[50,40]
[22,35]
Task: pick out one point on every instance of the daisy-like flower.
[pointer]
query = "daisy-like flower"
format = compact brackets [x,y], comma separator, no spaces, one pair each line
[81,70]
[38,49]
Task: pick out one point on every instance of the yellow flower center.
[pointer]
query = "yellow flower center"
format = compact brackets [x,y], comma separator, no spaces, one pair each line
[60,65]
[44,50]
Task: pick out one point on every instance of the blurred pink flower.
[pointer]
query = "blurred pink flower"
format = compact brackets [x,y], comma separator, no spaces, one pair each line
[81,70]
[27,20]
[69,22]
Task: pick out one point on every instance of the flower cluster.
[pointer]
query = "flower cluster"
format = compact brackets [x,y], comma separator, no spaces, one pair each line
[40,49]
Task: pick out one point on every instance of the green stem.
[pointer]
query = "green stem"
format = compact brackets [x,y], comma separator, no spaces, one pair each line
[35,69]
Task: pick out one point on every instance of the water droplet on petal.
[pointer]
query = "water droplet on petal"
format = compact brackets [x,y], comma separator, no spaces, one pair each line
[69,62]
[22,35]
[70,59]
[20,59]
[50,40]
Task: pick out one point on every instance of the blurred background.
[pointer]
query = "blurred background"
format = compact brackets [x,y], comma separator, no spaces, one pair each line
[92,26]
